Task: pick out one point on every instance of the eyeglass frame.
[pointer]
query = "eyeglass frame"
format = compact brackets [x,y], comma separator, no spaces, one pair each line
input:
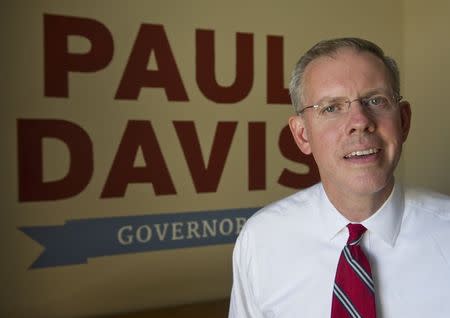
[396,99]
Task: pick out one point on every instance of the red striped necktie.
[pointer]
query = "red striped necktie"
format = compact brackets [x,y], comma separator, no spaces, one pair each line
[353,293]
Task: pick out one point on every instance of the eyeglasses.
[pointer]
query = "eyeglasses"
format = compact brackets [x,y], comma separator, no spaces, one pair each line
[376,104]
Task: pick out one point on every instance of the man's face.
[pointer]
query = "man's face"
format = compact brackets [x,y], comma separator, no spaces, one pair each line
[351,75]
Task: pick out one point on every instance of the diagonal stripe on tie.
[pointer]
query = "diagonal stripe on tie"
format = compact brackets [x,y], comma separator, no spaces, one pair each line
[359,270]
[345,301]
[353,292]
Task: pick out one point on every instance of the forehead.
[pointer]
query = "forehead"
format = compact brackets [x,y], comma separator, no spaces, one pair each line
[347,73]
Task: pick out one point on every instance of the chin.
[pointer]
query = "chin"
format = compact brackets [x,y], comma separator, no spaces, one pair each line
[372,185]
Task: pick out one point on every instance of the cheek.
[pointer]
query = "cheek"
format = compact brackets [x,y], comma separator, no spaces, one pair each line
[392,136]
[324,143]
[392,132]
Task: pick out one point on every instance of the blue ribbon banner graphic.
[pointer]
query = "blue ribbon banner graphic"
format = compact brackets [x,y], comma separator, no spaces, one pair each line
[77,240]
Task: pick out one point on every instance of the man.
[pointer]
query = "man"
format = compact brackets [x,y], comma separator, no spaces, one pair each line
[357,244]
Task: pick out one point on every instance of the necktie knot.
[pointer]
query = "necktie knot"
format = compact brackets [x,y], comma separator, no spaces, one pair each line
[356,232]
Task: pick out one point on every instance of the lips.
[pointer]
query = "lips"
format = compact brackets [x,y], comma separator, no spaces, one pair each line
[362,153]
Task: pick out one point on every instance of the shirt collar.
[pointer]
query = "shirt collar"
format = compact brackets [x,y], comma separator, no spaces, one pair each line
[384,223]
[331,219]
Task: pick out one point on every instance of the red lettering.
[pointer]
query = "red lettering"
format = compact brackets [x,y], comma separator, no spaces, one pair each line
[276,93]
[205,68]
[256,155]
[205,178]
[151,38]
[137,134]
[290,151]
[58,62]
[30,134]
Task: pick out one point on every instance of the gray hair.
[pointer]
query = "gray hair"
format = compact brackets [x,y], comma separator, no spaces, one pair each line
[329,48]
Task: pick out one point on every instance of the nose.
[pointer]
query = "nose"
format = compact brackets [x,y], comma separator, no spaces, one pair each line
[358,119]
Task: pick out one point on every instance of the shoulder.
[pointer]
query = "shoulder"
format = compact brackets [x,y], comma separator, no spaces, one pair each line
[274,229]
[296,204]
[433,204]
[297,209]
[428,217]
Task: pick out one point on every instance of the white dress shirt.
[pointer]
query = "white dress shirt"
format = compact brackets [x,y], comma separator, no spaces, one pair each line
[285,258]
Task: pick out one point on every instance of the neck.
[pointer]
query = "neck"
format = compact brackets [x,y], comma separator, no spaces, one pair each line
[359,207]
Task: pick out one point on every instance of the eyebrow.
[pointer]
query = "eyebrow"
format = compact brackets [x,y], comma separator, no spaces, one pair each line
[371,92]
[374,92]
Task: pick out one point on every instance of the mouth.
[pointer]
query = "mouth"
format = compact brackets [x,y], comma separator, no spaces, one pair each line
[362,153]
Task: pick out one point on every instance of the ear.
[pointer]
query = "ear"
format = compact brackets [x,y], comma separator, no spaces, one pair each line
[405,117]
[298,130]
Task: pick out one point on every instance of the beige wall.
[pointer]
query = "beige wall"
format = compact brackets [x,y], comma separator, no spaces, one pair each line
[408,30]
[426,53]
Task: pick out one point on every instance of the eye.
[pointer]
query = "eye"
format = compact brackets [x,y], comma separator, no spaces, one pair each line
[330,108]
[376,101]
